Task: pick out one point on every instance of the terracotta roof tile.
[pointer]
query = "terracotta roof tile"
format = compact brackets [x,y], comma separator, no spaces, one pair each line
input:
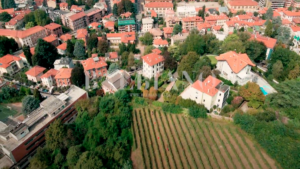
[66,37]
[63,46]
[109,24]
[192,19]
[52,26]
[243,3]
[64,73]
[36,70]
[159,5]
[156,50]
[208,86]
[63,4]
[160,42]
[76,8]
[93,63]
[113,55]
[153,59]
[168,30]
[82,33]
[269,42]
[77,16]
[51,72]
[6,60]
[50,38]
[236,61]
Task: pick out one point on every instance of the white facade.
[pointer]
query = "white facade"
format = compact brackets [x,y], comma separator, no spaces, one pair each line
[159,10]
[241,77]
[35,79]
[152,71]
[147,24]
[63,63]
[48,81]
[12,68]
[186,11]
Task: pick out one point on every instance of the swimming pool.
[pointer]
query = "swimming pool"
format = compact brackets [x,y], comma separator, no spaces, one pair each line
[263,91]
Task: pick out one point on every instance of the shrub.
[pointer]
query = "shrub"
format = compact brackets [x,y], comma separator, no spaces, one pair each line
[265,116]
[229,99]
[227,109]
[171,108]
[140,101]
[198,112]
[237,101]
[157,103]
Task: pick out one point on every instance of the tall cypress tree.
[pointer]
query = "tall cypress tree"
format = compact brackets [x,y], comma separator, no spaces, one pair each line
[28,54]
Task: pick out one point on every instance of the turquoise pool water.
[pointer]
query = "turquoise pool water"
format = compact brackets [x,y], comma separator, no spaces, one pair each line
[263,91]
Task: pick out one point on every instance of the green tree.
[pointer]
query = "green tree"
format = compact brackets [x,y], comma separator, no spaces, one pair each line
[41,17]
[177,29]
[201,12]
[124,58]
[55,135]
[29,18]
[8,4]
[294,73]
[244,36]
[5,17]
[193,43]
[233,43]
[269,14]
[89,160]
[252,93]
[59,159]
[29,104]
[269,29]
[7,45]
[29,25]
[130,59]
[113,67]
[147,39]
[198,112]
[28,54]
[92,42]
[170,62]
[44,54]
[78,76]
[148,49]
[37,95]
[277,69]
[70,49]
[283,34]
[103,47]
[115,10]
[79,51]
[73,155]
[186,62]
[41,159]
[255,50]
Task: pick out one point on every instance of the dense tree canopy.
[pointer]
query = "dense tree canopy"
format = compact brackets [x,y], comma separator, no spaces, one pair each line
[29,104]
[185,64]
[5,17]
[28,54]
[147,39]
[7,45]
[79,50]
[252,93]
[193,43]
[269,14]
[6,4]
[233,43]
[177,29]
[78,76]
[44,54]
[255,50]
[38,17]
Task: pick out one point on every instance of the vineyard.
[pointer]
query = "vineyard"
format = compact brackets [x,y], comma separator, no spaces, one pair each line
[164,140]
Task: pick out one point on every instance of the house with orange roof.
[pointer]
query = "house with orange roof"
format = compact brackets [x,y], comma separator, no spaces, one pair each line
[54,28]
[168,32]
[190,23]
[160,43]
[267,41]
[245,5]
[34,74]
[116,38]
[209,92]
[235,67]
[95,25]
[63,77]
[10,64]
[112,56]
[63,6]
[153,65]
[76,9]
[16,21]
[172,21]
[10,11]
[110,25]
[62,48]
[48,78]
[65,37]
[290,15]
[204,27]
[82,34]
[217,20]
[52,39]
[94,67]
[158,7]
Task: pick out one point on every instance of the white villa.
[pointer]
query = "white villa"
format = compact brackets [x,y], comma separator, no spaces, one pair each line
[153,65]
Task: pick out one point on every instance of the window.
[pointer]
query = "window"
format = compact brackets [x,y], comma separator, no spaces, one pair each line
[203,100]
[22,133]
[220,94]
[219,100]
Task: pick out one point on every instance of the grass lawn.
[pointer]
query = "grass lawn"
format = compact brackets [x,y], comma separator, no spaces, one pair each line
[5,112]
[250,30]
[213,59]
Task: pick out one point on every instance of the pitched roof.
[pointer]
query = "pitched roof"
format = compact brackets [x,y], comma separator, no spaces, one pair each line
[243,3]
[243,17]
[153,13]
[160,42]
[291,13]
[63,46]
[125,36]
[52,26]
[51,72]
[269,42]
[16,19]
[82,33]
[286,22]
[192,19]
[94,24]
[153,59]
[93,63]
[6,60]
[295,28]
[159,5]
[77,16]
[236,61]
[126,14]
[64,73]
[9,11]
[76,8]
[50,38]
[156,50]
[66,37]
[63,4]
[208,86]
[109,24]
[216,17]
[113,55]
[21,34]
[36,70]
[168,30]
[156,32]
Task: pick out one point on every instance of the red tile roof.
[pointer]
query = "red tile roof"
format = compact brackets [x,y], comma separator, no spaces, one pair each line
[51,72]
[82,33]
[36,70]
[113,55]
[217,28]
[66,37]
[153,13]
[21,34]
[296,20]
[63,5]
[216,17]
[107,16]
[168,30]
[76,8]
[192,19]
[157,51]
[275,14]
[77,16]
[50,38]
[64,73]
[92,63]
[242,3]
[295,28]
[94,24]
[109,24]
[159,5]
[286,22]
[126,14]
[269,42]
[93,12]
[291,13]
[125,36]
[63,46]
[153,59]
[6,60]
[16,19]
[9,11]
[244,17]
[204,25]
[208,86]
[52,26]
[236,61]
[160,42]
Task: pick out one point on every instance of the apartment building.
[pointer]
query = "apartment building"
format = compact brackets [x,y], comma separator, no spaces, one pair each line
[274,4]
[218,20]
[159,7]
[48,78]
[94,67]
[172,21]
[245,5]
[186,11]
[54,28]
[34,74]
[210,92]
[15,22]
[20,139]
[153,65]
[290,15]
[10,64]
[93,15]
[116,38]
[74,20]
[190,23]
[126,25]
[147,24]
[63,77]
[27,37]
[160,43]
